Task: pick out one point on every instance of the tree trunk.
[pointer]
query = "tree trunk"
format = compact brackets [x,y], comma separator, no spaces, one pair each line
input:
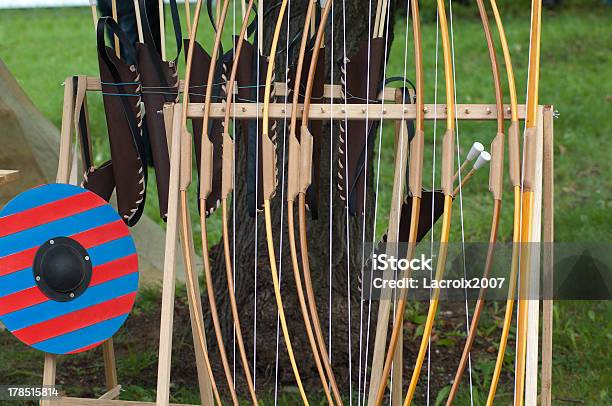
[343,271]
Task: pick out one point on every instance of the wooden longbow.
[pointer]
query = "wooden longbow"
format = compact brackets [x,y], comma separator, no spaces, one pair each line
[269,186]
[448,148]
[515,174]
[226,189]
[300,159]
[495,187]
[206,175]
[384,307]
[527,199]
[185,218]
[415,186]
[305,171]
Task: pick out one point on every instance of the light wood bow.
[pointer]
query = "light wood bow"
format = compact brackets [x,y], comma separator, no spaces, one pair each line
[300,157]
[415,187]
[495,186]
[269,187]
[206,175]
[226,189]
[448,148]
[185,218]
[528,190]
[305,171]
[514,172]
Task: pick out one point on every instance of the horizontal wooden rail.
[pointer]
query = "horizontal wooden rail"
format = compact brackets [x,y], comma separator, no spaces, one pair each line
[326,111]
[386,109]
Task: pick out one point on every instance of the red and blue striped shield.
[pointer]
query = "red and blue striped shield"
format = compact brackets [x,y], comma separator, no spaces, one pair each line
[68,269]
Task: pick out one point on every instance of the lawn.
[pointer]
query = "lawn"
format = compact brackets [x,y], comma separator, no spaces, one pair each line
[42,47]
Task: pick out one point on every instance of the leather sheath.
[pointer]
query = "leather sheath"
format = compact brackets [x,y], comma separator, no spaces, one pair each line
[100,180]
[121,89]
[155,95]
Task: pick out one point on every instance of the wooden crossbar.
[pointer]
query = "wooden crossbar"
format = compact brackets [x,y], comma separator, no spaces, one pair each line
[326,111]
[386,109]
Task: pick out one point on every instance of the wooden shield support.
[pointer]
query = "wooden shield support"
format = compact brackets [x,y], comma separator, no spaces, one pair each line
[66,173]
[63,176]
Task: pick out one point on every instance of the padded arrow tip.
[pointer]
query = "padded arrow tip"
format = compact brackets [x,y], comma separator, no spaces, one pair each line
[483,159]
[475,151]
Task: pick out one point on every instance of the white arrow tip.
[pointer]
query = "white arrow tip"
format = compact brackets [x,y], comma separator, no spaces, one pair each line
[476,149]
[482,160]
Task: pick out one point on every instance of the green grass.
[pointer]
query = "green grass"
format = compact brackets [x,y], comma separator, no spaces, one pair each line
[42,47]
[63,44]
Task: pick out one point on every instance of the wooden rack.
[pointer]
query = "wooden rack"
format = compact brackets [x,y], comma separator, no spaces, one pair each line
[385,109]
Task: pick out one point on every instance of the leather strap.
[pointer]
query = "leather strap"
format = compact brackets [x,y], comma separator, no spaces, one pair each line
[130,52]
[107,23]
[149,41]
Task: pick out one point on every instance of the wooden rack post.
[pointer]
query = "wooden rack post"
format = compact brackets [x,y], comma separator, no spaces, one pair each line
[110,371]
[172,116]
[389,110]
[533,318]
[64,169]
[547,264]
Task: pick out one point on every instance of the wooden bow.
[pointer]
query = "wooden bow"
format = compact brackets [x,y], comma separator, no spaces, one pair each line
[269,186]
[415,187]
[448,148]
[226,189]
[299,176]
[206,175]
[527,200]
[305,171]
[514,172]
[495,186]
[185,181]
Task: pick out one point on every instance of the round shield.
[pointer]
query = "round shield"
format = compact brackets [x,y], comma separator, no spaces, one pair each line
[68,269]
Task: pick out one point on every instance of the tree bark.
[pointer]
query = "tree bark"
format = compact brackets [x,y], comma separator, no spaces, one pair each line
[254,291]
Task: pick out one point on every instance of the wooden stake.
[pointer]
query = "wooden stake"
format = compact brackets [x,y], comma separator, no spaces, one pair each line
[533,318]
[162,30]
[168,284]
[110,365]
[260,11]
[187,16]
[168,287]
[548,239]
[381,23]
[116,18]
[63,168]
[49,374]
[377,18]
[139,21]
[94,13]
